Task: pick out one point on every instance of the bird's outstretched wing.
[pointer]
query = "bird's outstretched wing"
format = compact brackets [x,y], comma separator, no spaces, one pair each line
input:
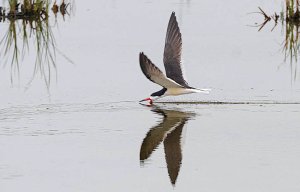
[172,52]
[154,74]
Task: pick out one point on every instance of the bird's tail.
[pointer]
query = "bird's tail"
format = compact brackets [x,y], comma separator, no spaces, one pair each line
[203,91]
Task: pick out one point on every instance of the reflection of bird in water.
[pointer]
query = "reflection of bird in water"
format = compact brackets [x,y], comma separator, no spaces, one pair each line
[169,132]
[173,82]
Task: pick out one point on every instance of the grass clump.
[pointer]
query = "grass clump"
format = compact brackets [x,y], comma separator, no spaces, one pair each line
[29,9]
[290,19]
[292,10]
[29,23]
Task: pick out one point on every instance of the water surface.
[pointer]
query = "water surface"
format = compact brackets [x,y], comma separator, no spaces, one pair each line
[83,130]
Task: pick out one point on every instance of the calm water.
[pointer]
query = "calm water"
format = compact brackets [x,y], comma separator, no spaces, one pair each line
[82,129]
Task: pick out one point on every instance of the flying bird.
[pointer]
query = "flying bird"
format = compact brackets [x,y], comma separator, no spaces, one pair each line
[173,82]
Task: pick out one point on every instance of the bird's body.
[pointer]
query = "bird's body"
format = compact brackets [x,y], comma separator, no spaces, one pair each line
[173,82]
[180,91]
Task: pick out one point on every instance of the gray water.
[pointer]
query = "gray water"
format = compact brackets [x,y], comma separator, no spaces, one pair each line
[85,131]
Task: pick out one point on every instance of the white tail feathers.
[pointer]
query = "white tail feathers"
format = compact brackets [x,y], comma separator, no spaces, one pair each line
[203,91]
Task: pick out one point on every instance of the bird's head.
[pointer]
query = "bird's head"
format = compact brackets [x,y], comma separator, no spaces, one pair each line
[155,95]
[150,99]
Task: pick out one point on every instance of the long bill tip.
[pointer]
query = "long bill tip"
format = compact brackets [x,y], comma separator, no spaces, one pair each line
[147,99]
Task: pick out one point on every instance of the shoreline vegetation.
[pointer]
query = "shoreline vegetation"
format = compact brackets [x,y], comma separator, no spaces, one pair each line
[29,24]
[290,19]
[31,9]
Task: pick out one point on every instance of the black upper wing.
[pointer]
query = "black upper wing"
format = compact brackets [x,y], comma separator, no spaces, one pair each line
[154,74]
[172,52]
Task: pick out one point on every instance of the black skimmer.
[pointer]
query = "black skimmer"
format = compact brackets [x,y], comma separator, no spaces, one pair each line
[169,132]
[173,82]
